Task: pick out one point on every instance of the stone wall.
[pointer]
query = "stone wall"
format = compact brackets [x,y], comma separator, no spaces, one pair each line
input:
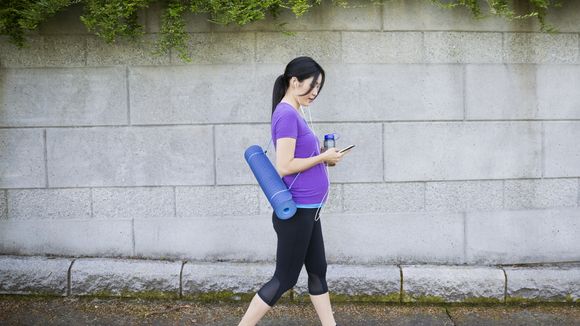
[466,135]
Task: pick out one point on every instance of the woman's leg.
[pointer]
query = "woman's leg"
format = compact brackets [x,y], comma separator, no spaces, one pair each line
[316,267]
[257,309]
[293,239]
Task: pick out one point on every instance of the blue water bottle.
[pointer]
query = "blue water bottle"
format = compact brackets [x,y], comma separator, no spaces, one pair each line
[329,143]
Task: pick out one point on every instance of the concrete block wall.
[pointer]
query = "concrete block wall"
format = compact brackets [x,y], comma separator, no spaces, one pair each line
[466,135]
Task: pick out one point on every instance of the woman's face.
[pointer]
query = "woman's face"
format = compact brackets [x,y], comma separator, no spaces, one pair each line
[303,87]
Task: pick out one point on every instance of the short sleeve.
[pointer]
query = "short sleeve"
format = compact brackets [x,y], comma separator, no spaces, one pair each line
[286,125]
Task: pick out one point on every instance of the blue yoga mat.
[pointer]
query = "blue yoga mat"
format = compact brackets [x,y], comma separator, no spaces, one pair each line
[269,180]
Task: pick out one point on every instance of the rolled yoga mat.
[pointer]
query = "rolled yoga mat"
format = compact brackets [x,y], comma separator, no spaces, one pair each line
[269,180]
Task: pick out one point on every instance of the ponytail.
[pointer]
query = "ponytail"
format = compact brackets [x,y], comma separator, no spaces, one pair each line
[279,91]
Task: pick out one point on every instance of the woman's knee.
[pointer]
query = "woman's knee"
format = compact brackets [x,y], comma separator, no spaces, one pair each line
[317,283]
[275,288]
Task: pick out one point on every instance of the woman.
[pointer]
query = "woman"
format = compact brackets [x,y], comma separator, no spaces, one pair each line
[302,166]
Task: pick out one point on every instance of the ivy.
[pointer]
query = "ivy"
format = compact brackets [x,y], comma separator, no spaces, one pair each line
[114,19]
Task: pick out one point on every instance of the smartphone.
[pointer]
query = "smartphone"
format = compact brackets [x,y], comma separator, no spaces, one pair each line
[346,149]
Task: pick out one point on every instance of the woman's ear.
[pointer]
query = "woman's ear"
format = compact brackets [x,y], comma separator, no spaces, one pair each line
[295,82]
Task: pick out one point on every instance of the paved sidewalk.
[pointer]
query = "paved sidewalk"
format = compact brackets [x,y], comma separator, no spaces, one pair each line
[26,310]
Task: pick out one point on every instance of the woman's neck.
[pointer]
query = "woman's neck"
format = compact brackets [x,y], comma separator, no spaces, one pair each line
[292,102]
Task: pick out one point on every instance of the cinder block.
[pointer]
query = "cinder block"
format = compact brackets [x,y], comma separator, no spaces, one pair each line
[544,283]
[217,201]
[276,47]
[125,278]
[33,275]
[197,94]
[90,237]
[203,277]
[464,195]
[333,203]
[49,203]
[22,158]
[234,238]
[463,47]
[557,91]
[424,15]
[63,97]
[231,141]
[522,236]
[561,150]
[3,205]
[377,92]
[384,197]
[382,47]
[135,156]
[541,48]
[44,51]
[352,280]
[541,193]
[384,238]
[364,162]
[143,202]
[452,283]
[462,151]
[218,48]
[124,52]
[513,88]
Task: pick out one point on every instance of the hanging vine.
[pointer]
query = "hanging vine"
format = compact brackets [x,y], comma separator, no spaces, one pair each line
[113,19]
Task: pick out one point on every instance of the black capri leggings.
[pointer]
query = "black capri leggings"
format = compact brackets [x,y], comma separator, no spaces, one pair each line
[299,242]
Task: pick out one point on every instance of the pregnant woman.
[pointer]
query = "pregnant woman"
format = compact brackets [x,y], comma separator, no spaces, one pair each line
[302,166]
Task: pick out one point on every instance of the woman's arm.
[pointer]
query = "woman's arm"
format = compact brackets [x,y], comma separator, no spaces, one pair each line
[287,164]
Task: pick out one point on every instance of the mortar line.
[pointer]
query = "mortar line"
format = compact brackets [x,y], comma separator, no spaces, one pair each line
[503,193]
[214,157]
[464,90]
[542,149]
[128,95]
[86,54]
[266,123]
[45,158]
[464,236]
[174,201]
[423,49]
[504,285]
[401,283]
[383,149]
[342,197]
[91,200]
[181,279]
[424,195]
[255,48]
[378,182]
[578,192]
[6,202]
[69,278]
[133,236]
[382,13]
[503,48]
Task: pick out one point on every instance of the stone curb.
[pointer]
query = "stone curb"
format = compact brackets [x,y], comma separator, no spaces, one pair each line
[233,281]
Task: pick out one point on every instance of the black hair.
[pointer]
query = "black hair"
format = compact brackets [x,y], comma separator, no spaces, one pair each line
[301,68]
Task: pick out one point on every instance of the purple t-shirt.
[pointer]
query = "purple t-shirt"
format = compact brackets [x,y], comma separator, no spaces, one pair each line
[312,184]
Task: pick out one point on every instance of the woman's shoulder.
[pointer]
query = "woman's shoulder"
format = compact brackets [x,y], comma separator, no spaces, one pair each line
[284,109]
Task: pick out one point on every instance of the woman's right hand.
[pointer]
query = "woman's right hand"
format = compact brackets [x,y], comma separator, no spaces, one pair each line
[331,156]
